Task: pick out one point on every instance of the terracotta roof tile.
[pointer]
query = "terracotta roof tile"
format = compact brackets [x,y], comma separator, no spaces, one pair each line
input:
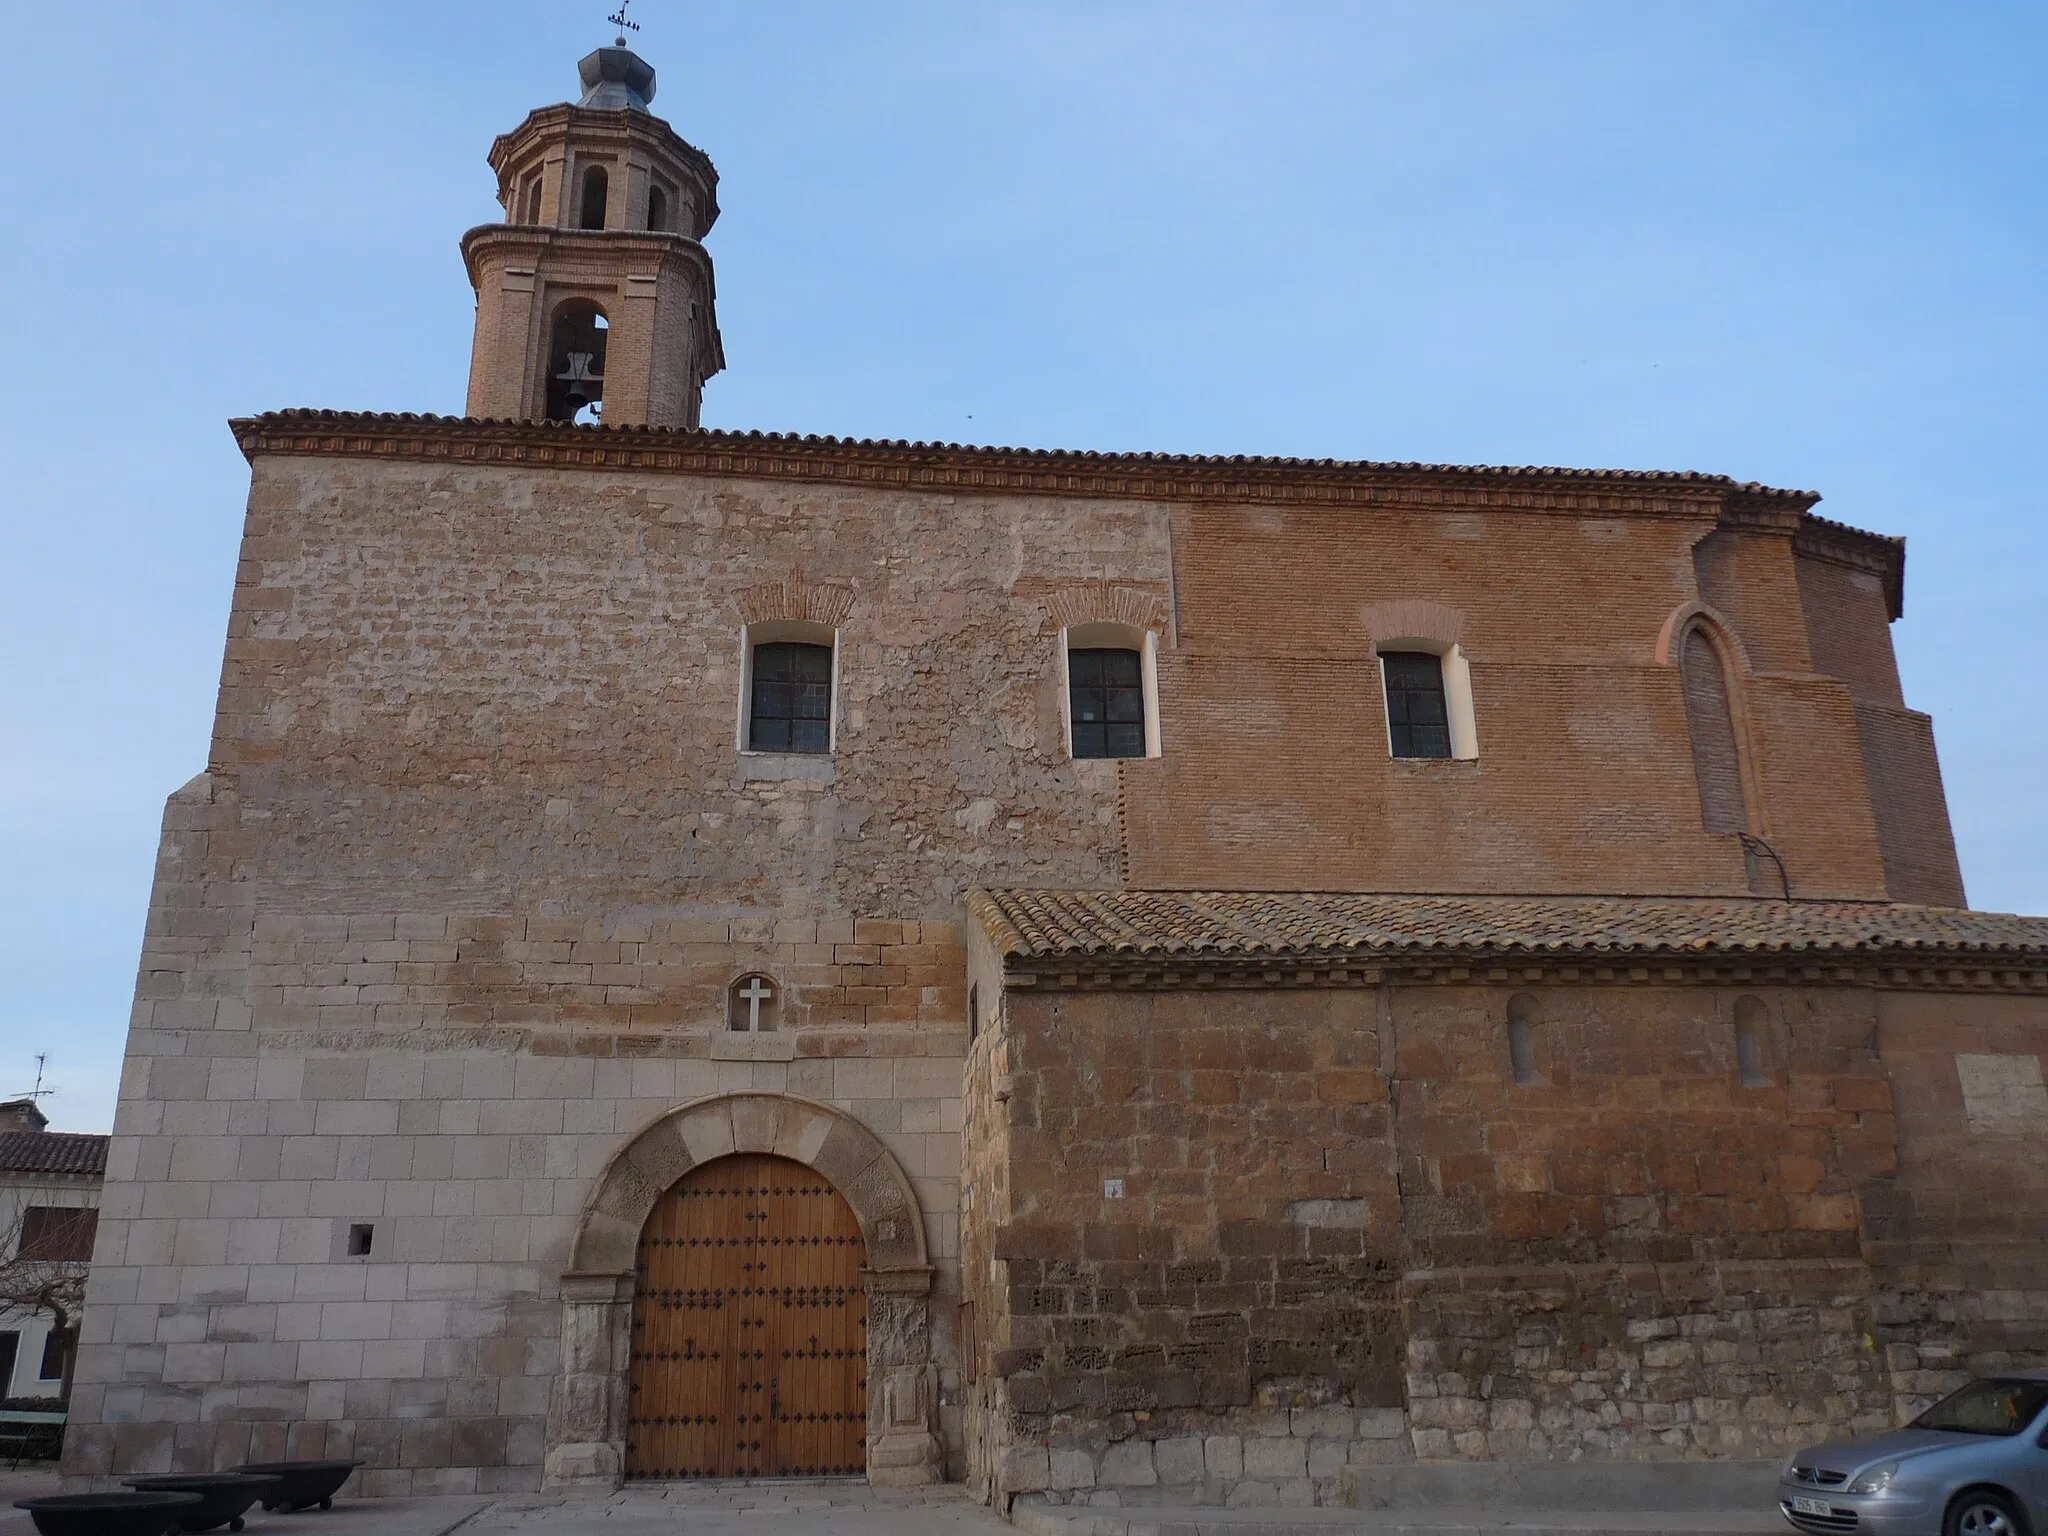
[707,437]
[1045,925]
[52,1152]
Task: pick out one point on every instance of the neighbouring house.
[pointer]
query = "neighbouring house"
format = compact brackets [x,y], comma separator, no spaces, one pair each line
[49,1212]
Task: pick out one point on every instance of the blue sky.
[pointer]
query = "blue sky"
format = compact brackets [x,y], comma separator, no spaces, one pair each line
[1796,243]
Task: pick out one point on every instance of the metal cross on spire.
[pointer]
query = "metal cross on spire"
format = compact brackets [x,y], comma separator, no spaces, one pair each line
[618,19]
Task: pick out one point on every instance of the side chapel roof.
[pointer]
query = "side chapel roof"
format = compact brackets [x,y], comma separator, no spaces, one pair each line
[1047,928]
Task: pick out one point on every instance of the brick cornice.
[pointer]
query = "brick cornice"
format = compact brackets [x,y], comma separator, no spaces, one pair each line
[1962,972]
[534,242]
[1878,554]
[954,467]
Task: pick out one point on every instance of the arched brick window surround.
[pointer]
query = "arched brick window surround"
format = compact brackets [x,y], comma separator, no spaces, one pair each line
[1412,624]
[795,608]
[1102,614]
[586,1428]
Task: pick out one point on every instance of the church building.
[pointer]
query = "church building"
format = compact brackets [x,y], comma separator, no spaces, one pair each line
[1108,976]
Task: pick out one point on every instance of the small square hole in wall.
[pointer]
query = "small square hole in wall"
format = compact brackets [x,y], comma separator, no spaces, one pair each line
[359,1240]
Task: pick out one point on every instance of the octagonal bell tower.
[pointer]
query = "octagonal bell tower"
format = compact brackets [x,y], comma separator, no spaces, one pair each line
[594,297]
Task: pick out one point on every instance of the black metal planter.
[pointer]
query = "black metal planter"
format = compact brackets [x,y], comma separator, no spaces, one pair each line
[303,1483]
[225,1496]
[108,1514]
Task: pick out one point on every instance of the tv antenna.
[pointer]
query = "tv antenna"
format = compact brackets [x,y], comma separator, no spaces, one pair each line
[618,20]
[39,1091]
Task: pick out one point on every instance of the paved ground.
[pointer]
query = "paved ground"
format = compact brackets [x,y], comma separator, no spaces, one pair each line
[822,1507]
[1355,1522]
[848,1507]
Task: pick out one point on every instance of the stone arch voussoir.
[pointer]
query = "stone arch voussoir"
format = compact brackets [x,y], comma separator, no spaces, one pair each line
[846,1152]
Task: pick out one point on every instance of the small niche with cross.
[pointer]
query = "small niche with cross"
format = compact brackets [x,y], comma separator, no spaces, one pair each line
[753,1004]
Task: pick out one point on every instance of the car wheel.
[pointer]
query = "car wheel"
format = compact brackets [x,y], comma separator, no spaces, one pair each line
[1983,1514]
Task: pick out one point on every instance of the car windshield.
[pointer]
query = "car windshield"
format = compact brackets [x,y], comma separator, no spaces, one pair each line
[1994,1407]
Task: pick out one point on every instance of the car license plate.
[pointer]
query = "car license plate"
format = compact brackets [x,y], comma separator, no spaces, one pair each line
[1805,1506]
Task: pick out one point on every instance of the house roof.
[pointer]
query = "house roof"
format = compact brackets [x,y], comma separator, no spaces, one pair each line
[1223,926]
[53,1152]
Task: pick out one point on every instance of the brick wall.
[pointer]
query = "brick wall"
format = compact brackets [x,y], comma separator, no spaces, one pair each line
[1276,774]
[1848,620]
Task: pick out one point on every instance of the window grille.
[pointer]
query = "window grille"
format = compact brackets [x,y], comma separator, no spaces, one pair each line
[1106,690]
[791,707]
[1418,721]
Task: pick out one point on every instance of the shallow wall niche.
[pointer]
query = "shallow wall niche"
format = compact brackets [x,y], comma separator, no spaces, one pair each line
[586,1428]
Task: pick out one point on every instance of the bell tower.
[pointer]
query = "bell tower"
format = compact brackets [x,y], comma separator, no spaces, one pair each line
[594,297]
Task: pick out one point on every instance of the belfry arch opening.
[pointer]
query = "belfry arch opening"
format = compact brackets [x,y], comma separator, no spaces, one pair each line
[575,371]
[596,192]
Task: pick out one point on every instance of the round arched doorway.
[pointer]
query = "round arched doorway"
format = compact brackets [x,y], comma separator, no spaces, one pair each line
[749,1332]
[587,1410]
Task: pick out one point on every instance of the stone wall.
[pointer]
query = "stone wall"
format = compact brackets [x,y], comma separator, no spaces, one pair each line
[457,1084]
[1346,1233]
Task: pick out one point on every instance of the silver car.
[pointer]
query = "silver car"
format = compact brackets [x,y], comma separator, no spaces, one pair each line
[1975,1464]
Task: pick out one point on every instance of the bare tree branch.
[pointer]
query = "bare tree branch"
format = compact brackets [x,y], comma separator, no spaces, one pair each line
[33,1280]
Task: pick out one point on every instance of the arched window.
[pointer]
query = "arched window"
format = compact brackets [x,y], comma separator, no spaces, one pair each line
[789,688]
[596,187]
[1752,1023]
[974,1012]
[657,208]
[1112,691]
[1522,1039]
[1710,722]
[575,376]
[530,210]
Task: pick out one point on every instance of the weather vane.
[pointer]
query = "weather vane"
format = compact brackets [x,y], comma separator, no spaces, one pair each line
[619,20]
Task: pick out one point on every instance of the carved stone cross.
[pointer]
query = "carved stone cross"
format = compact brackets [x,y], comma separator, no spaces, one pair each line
[755,993]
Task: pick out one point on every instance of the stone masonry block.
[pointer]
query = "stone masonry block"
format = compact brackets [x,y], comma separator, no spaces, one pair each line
[1128,1464]
[1275,1460]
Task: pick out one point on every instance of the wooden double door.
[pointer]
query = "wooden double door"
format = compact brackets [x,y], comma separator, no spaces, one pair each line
[749,1353]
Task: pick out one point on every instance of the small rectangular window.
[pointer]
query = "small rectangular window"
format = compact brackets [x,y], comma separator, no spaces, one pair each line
[1107,692]
[56,1346]
[58,1233]
[359,1238]
[791,706]
[1418,723]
